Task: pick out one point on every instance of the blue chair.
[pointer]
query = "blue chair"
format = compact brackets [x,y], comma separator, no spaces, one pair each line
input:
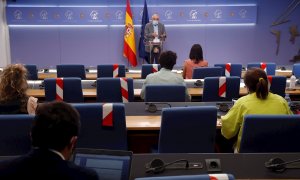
[236,69]
[148,69]
[109,90]
[278,85]
[107,71]
[211,89]
[15,134]
[271,67]
[296,70]
[94,135]
[32,72]
[270,134]
[165,93]
[188,130]
[188,177]
[71,70]
[203,72]
[72,91]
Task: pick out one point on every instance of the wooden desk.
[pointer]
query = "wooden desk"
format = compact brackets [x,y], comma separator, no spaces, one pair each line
[148,123]
[89,76]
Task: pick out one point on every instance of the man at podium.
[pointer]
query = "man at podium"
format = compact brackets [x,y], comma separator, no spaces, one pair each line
[155,35]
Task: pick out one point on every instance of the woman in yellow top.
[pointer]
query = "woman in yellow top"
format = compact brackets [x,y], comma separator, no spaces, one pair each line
[258,101]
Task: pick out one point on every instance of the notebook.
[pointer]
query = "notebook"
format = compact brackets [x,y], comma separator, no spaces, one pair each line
[109,164]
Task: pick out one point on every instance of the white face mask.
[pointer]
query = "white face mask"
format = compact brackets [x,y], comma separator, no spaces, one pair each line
[155,22]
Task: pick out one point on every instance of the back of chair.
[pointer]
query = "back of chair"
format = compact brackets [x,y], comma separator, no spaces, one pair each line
[165,93]
[71,70]
[270,133]
[271,67]
[191,177]
[235,69]
[15,134]
[148,69]
[277,85]
[93,134]
[110,90]
[203,72]
[72,90]
[296,70]
[106,70]
[211,89]
[32,72]
[188,130]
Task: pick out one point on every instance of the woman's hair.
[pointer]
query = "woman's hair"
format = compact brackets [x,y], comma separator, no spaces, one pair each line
[13,84]
[256,80]
[196,53]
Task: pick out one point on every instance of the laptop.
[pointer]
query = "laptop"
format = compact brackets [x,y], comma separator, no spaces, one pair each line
[109,164]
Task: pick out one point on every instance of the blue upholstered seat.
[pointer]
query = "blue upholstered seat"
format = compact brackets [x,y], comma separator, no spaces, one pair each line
[94,135]
[148,69]
[32,72]
[203,72]
[271,67]
[270,133]
[15,134]
[236,69]
[188,130]
[165,93]
[106,70]
[278,85]
[71,70]
[72,91]
[296,70]
[211,89]
[109,90]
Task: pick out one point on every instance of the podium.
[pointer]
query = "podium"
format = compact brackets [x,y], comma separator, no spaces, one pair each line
[154,44]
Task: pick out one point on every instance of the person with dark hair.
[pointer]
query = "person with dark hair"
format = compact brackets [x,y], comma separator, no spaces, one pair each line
[258,101]
[54,135]
[165,75]
[195,60]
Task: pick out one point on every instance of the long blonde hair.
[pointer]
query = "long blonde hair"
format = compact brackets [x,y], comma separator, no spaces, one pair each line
[13,84]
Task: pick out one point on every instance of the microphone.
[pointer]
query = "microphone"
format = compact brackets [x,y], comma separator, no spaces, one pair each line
[279,165]
[158,166]
[152,107]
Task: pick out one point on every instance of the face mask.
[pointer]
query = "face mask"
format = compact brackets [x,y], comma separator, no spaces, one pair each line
[155,22]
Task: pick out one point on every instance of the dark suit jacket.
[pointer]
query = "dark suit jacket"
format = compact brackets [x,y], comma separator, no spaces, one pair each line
[149,29]
[43,164]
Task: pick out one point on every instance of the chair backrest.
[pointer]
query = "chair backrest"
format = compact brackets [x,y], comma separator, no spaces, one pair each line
[32,72]
[271,67]
[236,69]
[15,134]
[277,85]
[203,72]
[97,136]
[188,130]
[72,90]
[110,90]
[211,89]
[106,70]
[191,177]
[165,93]
[148,69]
[71,70]
[296,70]
[270,133]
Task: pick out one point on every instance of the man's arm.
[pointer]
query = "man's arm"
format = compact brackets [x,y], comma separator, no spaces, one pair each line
[147,32]
[163,34]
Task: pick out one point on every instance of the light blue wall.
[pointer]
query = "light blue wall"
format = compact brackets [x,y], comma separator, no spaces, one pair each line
[103,45]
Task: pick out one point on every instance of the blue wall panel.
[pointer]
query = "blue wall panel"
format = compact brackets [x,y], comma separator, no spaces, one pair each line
[103,45]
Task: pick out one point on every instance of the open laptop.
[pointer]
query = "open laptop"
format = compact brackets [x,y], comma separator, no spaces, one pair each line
[109,164]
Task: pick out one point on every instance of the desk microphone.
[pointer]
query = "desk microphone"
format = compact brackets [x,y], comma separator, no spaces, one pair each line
[157,166]
[152,107]
[279,165]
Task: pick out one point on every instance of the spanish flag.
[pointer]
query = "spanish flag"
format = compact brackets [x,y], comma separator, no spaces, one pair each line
[129,41]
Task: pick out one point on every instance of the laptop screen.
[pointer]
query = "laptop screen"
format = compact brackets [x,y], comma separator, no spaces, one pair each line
[110,165]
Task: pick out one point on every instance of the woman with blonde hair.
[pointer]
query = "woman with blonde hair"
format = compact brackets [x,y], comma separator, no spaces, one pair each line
[13,87]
